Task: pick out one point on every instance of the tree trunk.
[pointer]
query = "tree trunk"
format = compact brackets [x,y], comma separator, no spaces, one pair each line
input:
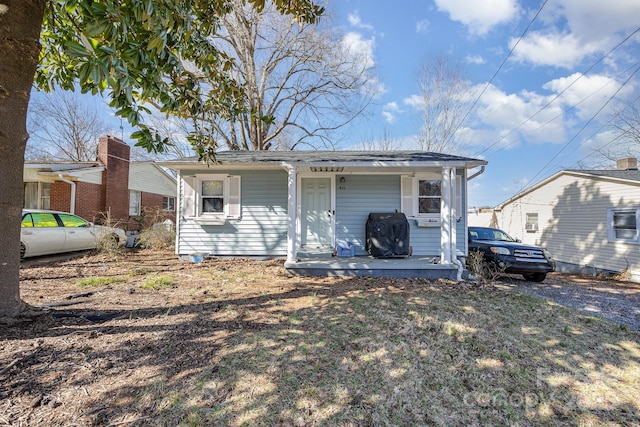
[20,24]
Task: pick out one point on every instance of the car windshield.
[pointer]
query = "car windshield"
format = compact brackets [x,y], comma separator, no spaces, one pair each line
[489,234]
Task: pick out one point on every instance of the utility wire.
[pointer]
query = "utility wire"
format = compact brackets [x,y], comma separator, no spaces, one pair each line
[585,125]
[504,61]
[559,93]
[563,112]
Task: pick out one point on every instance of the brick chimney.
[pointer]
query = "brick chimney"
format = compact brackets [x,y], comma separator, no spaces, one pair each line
[628,163]
[114,155]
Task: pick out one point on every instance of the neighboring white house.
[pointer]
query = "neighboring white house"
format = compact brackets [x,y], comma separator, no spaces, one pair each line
[589,220]
[481,217]
[303,204]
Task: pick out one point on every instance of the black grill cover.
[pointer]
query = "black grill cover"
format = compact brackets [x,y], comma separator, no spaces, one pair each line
[387,235]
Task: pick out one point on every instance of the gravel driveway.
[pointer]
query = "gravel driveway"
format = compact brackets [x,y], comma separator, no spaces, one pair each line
[613,300]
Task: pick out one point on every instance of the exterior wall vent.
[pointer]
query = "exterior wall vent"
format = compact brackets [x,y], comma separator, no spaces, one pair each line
[326,168]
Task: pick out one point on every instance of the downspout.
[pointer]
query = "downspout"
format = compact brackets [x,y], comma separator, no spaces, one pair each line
[453,232]
[480,172]
[455,245]
[72,208]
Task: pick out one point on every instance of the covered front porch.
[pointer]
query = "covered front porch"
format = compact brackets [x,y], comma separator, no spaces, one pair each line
[331,204]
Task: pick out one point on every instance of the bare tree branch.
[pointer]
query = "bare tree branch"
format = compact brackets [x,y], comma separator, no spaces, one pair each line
[62,129]
[442,102]
[301,81]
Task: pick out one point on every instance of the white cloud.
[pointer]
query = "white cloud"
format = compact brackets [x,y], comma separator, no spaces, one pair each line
[561,50]
[479,15]
[355,21]
[390,112]
[422,26]
[359,48]
[506,119]
[593,20]
[414,101]
[574,29]
[359,55]
[586,93]
[474,59]
[375,87]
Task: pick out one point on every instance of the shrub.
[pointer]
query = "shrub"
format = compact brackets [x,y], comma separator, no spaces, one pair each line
[160,235]
[108,244]
[485,272]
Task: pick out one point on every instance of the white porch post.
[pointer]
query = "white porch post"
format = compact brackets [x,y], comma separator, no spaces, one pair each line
[453,214]
[445,216]
[292,237]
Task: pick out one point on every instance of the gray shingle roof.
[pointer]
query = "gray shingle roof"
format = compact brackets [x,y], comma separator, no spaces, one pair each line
[334,156]
[631,175]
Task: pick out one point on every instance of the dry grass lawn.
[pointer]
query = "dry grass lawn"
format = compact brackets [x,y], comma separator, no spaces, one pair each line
[150,340]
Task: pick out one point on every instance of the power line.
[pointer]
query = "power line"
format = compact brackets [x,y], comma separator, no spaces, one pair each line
[504,61]
[586,124]
[562,113]
[559,93]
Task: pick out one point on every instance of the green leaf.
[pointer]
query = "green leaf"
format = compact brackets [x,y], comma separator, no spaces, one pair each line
[75,48]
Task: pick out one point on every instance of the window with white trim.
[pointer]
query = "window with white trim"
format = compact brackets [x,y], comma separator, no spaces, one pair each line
[429,196]
[421,196]
[37,195]
[168,203]
[135,198]
[211,198]
[531,225]
[623,225]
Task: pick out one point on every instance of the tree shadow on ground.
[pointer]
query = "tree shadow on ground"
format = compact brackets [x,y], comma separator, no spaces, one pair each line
[358,351]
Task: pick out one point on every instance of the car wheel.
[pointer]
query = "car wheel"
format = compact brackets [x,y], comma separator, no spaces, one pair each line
[23,250]
[535,277]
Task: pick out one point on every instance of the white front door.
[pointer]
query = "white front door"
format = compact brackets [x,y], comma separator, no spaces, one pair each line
[316,212]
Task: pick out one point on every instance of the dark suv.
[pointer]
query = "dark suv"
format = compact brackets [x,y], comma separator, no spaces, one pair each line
[509,255]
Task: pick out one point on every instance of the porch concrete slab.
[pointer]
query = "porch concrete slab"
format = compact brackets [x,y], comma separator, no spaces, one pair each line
[366,266]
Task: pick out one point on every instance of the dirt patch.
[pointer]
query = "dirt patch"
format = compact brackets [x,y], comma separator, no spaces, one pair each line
[149,339]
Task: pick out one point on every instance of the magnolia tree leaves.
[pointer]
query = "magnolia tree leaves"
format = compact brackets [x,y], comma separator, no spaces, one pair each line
[148,54]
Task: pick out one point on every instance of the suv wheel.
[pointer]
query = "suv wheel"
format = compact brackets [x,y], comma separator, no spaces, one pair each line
[23,250]
[535,277]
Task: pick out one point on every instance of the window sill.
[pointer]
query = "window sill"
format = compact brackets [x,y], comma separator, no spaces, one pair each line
[210,221]
[428,222]
[626,241]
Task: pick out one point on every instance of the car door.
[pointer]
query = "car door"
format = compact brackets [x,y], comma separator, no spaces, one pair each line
[41,234]
[78,233]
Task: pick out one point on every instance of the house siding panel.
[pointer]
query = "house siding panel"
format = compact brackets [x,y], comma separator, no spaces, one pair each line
[262,229]
[358,197]
[572,220]
[146,177]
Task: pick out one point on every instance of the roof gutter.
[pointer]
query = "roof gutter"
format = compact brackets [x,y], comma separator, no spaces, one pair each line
[480,172]
[72,203]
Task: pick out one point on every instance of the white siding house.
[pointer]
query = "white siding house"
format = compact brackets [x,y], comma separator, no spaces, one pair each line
[589,220]
[301,205]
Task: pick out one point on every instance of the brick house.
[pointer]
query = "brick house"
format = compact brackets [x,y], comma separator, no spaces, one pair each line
[131,194]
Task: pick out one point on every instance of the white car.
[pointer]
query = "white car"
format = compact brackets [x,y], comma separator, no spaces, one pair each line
[50,232]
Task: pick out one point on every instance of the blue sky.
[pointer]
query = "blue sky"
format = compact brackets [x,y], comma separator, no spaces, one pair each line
[538,114]
[557,51]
